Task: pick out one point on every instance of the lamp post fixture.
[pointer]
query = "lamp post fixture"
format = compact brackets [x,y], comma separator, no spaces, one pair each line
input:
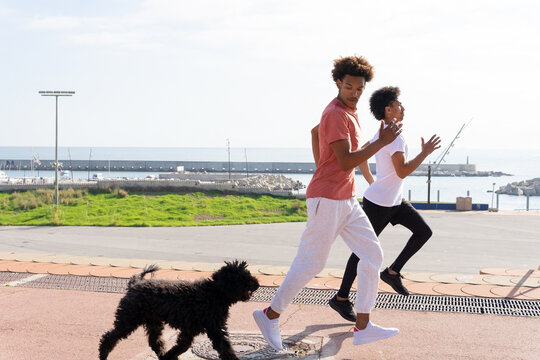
[229,152]
[56,94]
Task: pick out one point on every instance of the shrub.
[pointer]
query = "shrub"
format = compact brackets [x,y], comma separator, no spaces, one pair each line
[46,195]
[119,193]
[71,196]
[297,207]
[25,201]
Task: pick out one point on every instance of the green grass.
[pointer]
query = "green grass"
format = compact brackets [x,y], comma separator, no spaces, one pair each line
[116,207]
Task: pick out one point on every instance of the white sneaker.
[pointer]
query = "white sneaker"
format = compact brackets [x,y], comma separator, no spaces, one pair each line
[269,329]
[372,333]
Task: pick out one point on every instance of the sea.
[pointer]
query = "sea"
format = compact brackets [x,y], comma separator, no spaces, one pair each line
[519,164]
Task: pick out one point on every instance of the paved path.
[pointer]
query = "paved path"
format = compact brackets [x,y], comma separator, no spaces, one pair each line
[43,270]
[463,242]
[67,324]
[38,324]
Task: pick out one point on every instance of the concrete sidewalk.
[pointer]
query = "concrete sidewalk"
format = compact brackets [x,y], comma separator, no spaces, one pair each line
[473,255]
[519,284]
[462,242]
[53,321]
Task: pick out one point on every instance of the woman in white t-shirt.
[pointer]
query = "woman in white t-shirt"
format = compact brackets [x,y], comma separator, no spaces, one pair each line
[383,202]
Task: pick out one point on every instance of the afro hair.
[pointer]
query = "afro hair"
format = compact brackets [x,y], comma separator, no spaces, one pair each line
[382,98]
[353,66]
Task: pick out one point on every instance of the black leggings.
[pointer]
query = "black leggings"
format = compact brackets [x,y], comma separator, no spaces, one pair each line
[380,216]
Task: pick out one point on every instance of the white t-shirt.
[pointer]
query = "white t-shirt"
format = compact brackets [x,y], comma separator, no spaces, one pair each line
[387,189]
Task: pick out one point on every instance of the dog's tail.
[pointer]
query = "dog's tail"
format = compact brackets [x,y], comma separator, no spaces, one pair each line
[147,270]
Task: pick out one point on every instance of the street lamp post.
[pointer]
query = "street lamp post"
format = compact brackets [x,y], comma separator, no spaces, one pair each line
[429,187]
[56,94]
[492,194]
[229,152]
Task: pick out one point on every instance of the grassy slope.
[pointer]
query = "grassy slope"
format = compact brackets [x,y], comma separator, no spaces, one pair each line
[118,208]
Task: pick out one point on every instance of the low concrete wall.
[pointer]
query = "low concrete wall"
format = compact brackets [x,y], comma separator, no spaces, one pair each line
[192,186]
[62,185]
[216,177]
[152,186]
[188,185]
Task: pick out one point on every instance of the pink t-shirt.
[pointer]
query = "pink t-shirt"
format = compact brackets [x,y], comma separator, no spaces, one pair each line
[338,122]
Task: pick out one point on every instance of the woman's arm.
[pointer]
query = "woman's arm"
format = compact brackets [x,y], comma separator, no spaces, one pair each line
[364,168]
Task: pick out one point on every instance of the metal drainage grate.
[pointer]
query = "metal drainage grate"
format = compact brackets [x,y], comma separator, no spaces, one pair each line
[472,305]
[84,283]
[7,277]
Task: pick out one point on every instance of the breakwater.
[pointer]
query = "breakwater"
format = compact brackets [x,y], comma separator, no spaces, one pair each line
[218,167]
[527,187]
[161,166]
[270,184]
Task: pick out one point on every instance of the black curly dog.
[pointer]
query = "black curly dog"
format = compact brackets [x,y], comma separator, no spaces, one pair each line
[192,308]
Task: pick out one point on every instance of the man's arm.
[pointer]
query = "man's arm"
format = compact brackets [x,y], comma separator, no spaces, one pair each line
[348,159]
[405,168]
[315,144]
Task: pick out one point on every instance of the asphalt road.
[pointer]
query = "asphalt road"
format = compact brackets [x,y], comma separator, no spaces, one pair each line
[462,242]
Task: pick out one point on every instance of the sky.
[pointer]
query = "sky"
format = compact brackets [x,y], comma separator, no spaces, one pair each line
[164,73]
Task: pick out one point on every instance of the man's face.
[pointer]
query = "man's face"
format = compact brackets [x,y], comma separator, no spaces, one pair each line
[350,89]
[395,110]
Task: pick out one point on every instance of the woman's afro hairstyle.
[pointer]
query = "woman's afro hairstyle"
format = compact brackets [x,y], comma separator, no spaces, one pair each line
[382,98]
[353,66]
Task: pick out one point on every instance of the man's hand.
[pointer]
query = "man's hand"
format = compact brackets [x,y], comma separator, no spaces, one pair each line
[391,132]
[433,144]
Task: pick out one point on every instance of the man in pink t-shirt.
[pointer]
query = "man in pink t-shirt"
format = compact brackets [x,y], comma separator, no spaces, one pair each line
[333,209]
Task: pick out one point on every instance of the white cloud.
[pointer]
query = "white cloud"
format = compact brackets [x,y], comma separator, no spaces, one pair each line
[299,26]
[131,39]
[57,23]
[447,57]
[4,11]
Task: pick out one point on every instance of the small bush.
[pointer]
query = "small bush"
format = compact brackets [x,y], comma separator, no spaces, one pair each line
[25,201]
[298,208]
[119,193]
[57,216]
[46,195]
[71,196]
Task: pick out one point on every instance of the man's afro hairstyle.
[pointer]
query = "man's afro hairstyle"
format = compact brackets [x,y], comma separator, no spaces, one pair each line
[353,66]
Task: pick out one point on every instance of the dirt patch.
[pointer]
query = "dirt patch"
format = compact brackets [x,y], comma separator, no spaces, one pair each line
[203,217]
[273,211]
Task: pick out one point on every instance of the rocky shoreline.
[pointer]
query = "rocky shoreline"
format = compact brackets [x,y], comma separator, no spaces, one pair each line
[460,173]
[526,187]
[271,181]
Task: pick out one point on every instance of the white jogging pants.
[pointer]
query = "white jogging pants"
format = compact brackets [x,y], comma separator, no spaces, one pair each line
[326,220]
